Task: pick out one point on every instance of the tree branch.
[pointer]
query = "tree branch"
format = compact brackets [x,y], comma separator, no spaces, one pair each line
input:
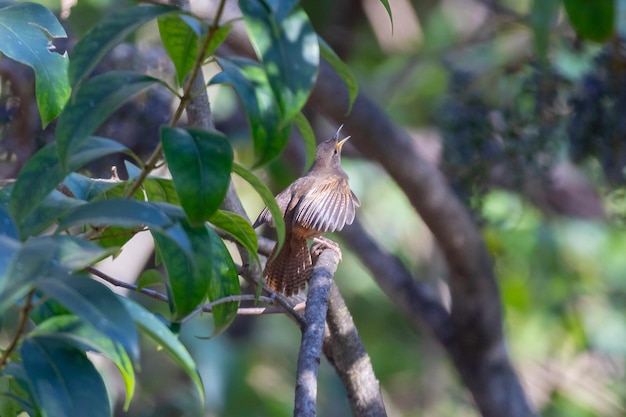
[345,351]
[313,334]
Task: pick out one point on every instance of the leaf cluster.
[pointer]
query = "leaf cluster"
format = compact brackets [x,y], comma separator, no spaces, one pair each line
[56,222]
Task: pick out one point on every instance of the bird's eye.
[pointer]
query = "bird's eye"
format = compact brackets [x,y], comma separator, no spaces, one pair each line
[335,152]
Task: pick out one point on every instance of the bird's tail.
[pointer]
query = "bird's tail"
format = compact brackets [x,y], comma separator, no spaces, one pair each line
[289,271]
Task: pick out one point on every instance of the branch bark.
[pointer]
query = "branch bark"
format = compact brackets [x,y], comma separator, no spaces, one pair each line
[313,334]
[345,351]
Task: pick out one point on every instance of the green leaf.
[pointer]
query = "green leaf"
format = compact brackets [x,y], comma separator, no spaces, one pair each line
[64,382]
[97,305]
[219,36]
[592,20]
[239,228]
[38,177]
[48,256]
[161,189]
[9,248]
[111,30]
[200,162]
[8,228]
[54,206]
[223,279]
[115,237]
[268,199]
[250,82]
[24,30]
[385,3]
[155,328]
[181,44]
[117,212]
[93,148]
[342,70]
[74,331]
[150,278]
[87,189]
[287,44]
[92,105]
[187,288]
[310,145]
[13,399]
[20,390]
[543,15]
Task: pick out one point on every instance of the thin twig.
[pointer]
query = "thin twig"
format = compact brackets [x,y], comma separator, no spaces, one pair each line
[207,308]
[21,327]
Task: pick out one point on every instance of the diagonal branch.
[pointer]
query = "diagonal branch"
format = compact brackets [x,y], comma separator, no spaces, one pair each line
[313,334]
[344,349]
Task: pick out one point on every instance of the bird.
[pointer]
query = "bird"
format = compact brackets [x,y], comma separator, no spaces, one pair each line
[319,202]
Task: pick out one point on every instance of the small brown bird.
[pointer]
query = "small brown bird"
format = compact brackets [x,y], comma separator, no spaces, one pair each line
[319,202]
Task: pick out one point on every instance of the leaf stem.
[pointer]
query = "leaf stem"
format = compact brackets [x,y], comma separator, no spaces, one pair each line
[21,327]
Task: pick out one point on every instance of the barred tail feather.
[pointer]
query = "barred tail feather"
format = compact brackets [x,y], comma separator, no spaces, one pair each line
[289,271]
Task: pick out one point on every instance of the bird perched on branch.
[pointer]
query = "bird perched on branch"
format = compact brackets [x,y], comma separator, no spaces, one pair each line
[319,202]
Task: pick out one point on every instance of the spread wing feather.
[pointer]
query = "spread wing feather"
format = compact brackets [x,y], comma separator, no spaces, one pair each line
[328,206]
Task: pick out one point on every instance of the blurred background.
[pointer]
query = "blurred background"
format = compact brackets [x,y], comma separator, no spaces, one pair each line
[528,126]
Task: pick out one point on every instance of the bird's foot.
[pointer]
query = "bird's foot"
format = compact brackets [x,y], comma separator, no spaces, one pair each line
[322,243]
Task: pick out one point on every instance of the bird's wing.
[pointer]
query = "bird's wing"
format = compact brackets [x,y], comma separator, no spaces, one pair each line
[265,216]
[328,205]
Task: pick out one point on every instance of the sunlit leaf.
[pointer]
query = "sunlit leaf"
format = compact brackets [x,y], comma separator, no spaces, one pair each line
[285,41]
[180,42]
[249,80]
[24,30]
[200,162]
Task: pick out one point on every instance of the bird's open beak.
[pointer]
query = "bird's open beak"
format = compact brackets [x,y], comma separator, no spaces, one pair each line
[341,142]
[337,132]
